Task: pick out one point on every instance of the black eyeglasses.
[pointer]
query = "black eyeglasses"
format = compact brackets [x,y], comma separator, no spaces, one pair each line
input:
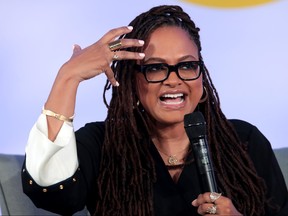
[154,73]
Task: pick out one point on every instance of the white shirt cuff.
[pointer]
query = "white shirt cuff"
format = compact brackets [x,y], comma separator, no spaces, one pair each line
[51,162]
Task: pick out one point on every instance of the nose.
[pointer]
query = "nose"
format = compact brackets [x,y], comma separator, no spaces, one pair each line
[172,79]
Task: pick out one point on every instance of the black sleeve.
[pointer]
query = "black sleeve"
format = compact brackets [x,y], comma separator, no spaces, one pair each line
[72,194]
[60,198]
[267,167]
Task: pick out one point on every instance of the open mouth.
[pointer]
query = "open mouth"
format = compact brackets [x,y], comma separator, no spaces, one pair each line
[172,98]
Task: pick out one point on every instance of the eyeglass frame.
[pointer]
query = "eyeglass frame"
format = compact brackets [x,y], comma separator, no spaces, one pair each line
[171,68]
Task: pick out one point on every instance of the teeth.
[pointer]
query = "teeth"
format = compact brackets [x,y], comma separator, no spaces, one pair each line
[173,102]
[172,95]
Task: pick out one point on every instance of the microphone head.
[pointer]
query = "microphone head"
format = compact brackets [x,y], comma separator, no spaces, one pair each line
[195,125]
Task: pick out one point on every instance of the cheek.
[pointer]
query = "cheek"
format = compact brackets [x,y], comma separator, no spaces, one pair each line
[146,92]
[196,89]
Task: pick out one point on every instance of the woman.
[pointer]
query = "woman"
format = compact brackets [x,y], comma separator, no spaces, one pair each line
[139,161]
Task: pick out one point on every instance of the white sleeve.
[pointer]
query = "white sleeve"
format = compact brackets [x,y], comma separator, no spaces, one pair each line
[51,162]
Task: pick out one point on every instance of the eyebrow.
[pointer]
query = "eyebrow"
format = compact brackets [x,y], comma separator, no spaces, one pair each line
[161,60]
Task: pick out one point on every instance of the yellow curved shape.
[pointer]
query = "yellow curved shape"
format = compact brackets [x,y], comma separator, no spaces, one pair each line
[229,3]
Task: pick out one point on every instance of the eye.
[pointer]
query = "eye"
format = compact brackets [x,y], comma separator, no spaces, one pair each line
[153,68]
[188,66]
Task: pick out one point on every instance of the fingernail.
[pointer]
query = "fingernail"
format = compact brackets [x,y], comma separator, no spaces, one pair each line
[130,27]
[141,42]
[117,84]
[194,202]
[142,55]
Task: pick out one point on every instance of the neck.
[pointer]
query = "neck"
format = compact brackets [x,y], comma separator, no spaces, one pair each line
[171,140]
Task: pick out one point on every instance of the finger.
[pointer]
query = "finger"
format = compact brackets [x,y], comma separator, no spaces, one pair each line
[116,32]
[198,201]
[209,197]
[213,196]
[204,198]
[121,55]
[205,208]
[131,43]
[110,76]
[124,43]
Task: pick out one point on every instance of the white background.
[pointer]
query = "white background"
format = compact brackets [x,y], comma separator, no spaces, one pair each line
[244,49]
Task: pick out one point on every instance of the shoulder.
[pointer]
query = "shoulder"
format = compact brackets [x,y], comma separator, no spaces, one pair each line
[242,126]
[92,127]
[258,146]
[247,131]
[93,131]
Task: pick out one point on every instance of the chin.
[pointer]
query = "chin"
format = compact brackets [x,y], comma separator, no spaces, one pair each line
[172,118]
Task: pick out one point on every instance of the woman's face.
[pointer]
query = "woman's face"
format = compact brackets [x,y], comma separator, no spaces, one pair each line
[167,102]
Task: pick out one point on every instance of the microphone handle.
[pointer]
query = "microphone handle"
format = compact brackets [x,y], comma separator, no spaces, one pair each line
[204,164]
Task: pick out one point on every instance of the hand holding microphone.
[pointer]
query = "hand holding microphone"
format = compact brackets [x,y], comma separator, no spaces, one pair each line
[213,202]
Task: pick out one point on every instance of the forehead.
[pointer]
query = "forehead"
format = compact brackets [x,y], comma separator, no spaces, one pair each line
[168,41]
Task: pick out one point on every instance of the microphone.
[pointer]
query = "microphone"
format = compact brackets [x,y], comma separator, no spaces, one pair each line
[195,127]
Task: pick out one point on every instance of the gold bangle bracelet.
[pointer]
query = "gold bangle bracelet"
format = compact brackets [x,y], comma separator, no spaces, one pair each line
[57,116]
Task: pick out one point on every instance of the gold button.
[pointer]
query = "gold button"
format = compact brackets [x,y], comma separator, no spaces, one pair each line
[30,182]
[44,190]
[74,179]
[61,187]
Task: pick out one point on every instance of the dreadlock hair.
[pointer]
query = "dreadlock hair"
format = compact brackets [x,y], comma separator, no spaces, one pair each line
[127,171]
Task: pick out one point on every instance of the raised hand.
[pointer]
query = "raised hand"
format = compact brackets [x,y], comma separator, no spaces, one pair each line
[96,59]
